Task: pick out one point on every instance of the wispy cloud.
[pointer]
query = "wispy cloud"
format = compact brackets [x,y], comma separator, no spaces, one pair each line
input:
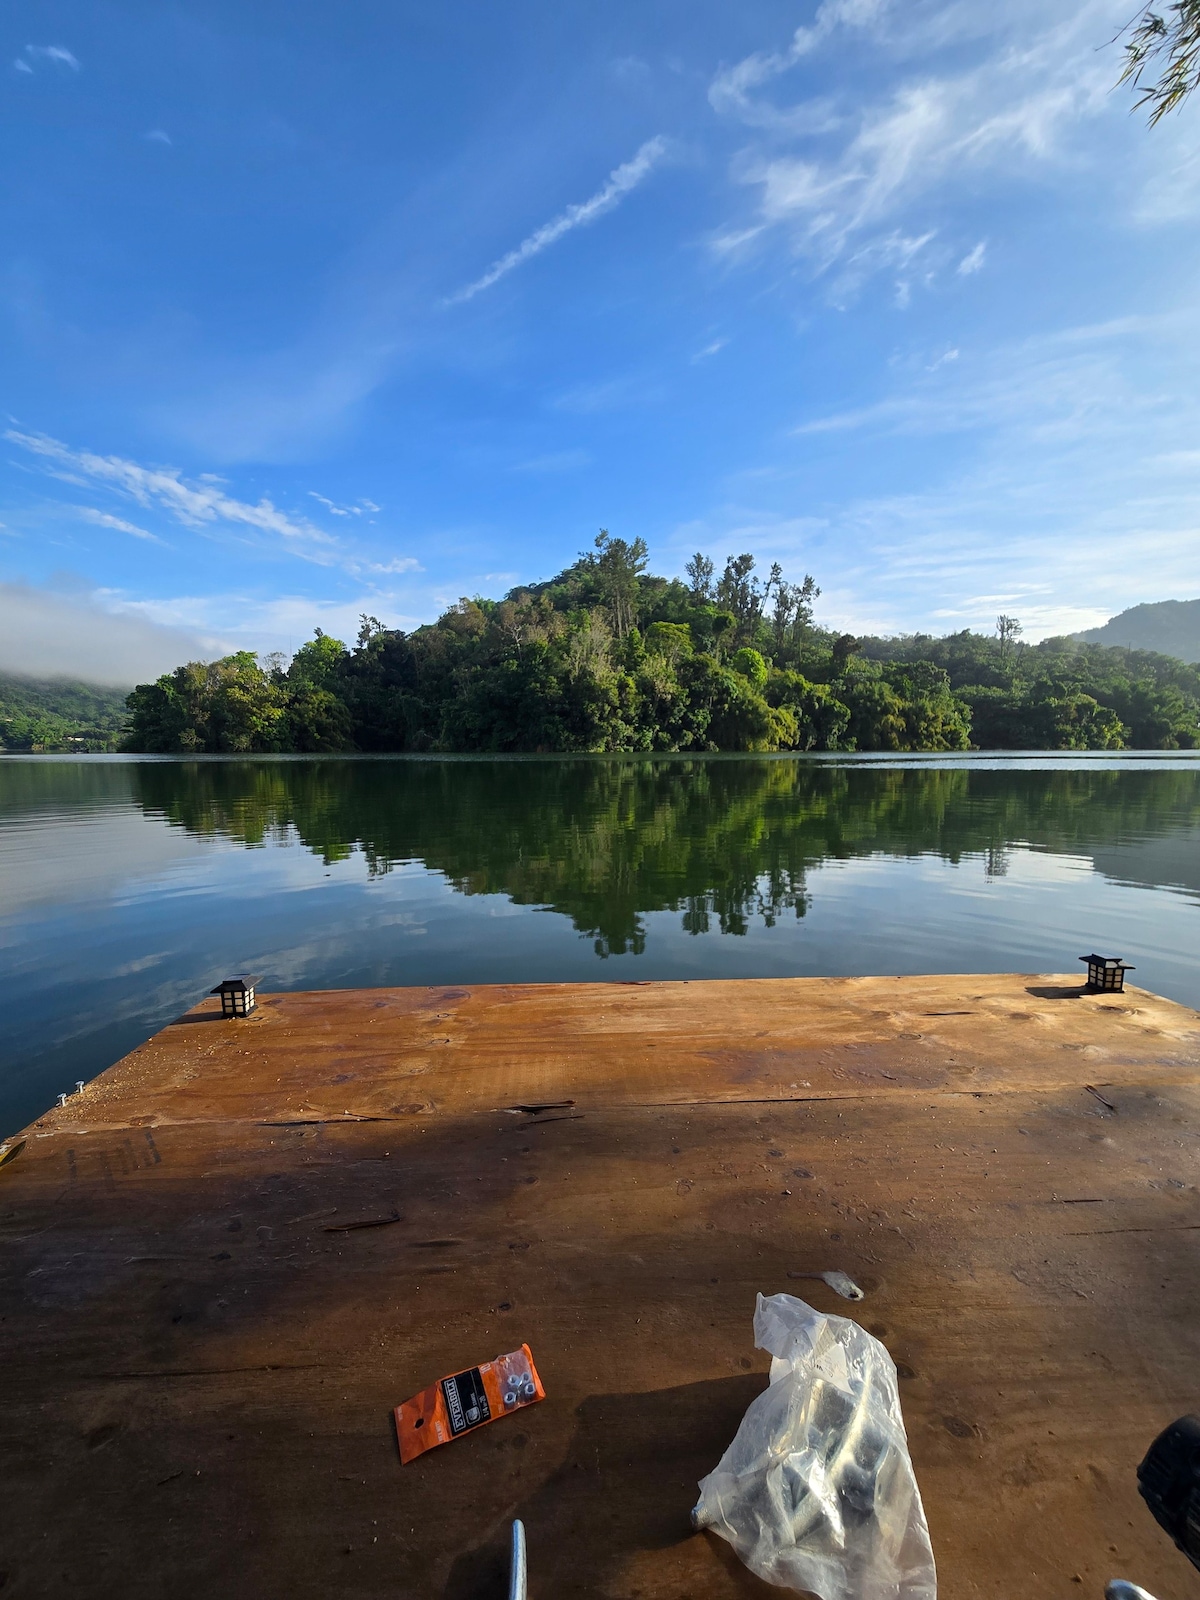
[196,505]
[388,568]
[157,136]
[894,251]
[949,557]
[709,350]
[250,622]
[105,519]
[620,182]
[56,53]
[1062,389]
[731,89]
[1103,512]
[335,510]
[331,505]
[863,165]
[21,65]
[973,261]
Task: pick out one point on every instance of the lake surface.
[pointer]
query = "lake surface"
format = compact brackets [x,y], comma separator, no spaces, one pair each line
[128,887]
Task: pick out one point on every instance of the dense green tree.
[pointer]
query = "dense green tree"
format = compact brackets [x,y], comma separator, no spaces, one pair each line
[618,566]
[822,719]
[608,657]
[700,574]
[750,664]
[227,706]
[1026,698]
[741,594]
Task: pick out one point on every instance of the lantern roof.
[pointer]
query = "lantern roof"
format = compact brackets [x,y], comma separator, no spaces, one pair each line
[236,985]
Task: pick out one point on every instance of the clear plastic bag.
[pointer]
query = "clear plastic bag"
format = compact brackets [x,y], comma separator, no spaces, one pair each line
[817,1491]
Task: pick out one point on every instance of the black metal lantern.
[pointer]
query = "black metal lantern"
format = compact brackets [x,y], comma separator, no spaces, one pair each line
[1106,974]
[237,996]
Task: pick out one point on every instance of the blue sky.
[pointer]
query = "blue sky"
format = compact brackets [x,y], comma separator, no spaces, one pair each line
[309,310]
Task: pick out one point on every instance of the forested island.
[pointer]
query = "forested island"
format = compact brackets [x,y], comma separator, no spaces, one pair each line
[608,657]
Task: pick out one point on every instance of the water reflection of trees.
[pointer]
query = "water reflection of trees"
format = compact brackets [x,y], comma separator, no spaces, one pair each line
[723,842]
[38,787]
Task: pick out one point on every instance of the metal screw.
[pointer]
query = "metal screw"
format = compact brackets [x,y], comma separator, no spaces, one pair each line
[62,1099]
[78,1085]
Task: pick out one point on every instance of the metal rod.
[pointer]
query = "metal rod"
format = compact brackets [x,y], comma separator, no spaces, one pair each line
[518,1574]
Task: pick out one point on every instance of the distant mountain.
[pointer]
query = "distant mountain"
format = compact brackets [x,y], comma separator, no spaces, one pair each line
[59,714]
[1172,627]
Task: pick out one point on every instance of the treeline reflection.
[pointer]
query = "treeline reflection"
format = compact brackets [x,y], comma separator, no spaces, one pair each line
[722,842]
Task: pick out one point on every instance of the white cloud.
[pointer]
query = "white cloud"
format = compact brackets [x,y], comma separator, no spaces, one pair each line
[730,90]
[331,505]
[52,52]
[158,136]
[382,568]
[860,169]
[887,252]
[45,634]
[709,350]
[1104,512]
[973,261]
[21,65]
[1058,389]
[105,519]
[621,181]
[247,622]
[336,510]
[195,505]
[203,504]
[949,559]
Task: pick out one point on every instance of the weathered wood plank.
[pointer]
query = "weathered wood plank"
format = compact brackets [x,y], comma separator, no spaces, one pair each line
[202,1348]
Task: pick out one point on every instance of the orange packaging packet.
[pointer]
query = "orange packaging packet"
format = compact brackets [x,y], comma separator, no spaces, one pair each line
[467,1400]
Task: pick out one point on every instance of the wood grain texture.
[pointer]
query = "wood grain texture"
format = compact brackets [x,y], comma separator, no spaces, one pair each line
[228,1258]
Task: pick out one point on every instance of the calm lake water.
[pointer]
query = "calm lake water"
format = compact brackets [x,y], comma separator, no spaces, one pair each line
[129,887]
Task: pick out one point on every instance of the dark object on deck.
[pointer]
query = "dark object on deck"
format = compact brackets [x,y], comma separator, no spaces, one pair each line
[1169,1483]
[1107,973]
[237,996]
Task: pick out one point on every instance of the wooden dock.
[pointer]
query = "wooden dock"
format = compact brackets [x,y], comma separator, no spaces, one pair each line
[229,1257]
